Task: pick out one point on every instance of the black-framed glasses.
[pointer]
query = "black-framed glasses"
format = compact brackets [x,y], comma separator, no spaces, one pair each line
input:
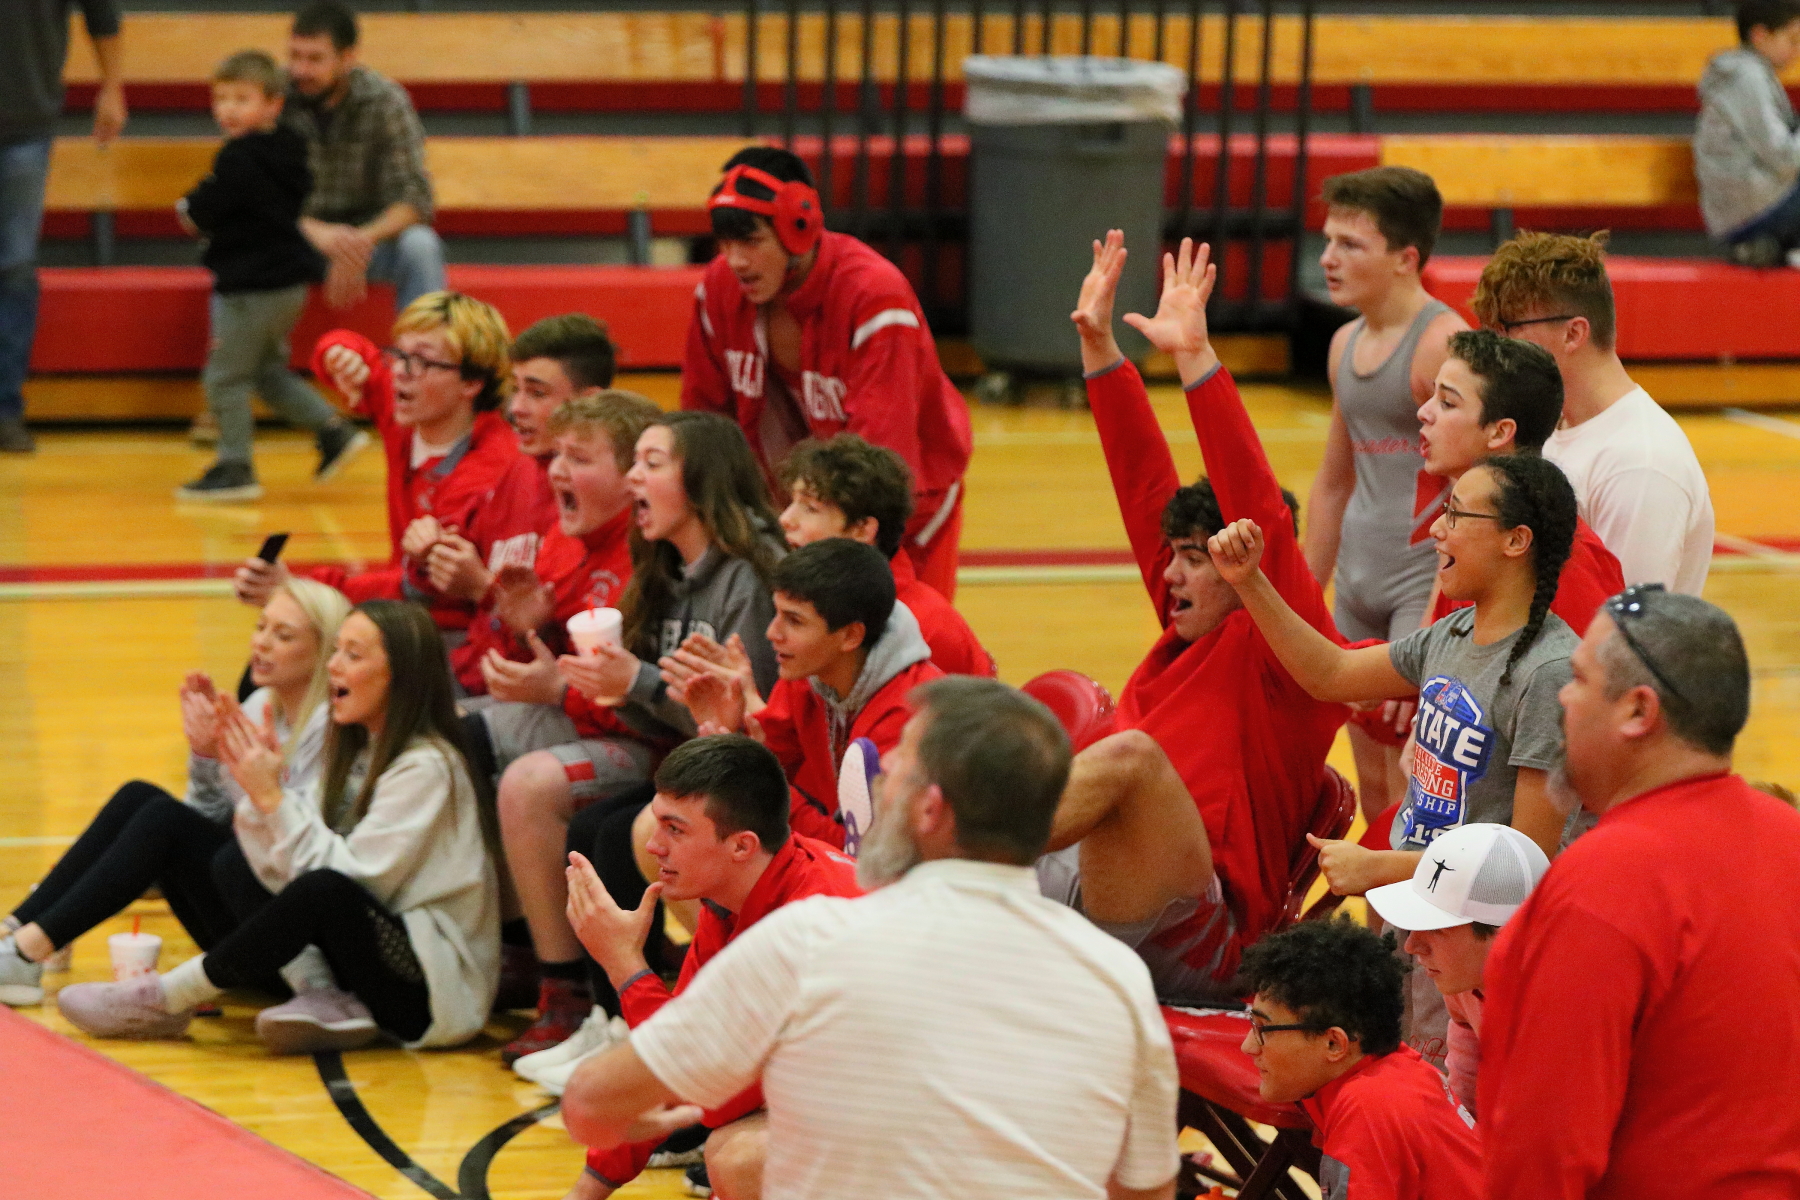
[1506,327]
[415,364]
[1452,515]
[1634,602]
[1260,1031]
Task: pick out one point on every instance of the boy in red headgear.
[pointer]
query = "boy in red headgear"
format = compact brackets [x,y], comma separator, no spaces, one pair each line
[800,333]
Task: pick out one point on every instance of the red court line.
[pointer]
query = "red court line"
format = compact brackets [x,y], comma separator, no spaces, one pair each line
[75,1123]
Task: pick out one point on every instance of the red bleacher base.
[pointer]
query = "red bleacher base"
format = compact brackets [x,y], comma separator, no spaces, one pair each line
[1673,308]
[102,319]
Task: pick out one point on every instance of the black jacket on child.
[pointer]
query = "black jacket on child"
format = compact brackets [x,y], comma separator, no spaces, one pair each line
[249,209]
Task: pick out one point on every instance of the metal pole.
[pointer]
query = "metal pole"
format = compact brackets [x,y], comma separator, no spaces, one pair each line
[1302,113]
[1087,27]
[1259,189]
[1044,33]
[934,160]
[868,113]
[1018,30]
[1190,113]
[1219,233]
[828,106]
[790,92]
[750,37]
[896,236]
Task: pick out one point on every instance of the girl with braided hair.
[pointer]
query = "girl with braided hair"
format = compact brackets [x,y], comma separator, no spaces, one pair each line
[1489,727]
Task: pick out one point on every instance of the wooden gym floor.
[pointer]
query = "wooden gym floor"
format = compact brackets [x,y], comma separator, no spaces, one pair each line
[91,664]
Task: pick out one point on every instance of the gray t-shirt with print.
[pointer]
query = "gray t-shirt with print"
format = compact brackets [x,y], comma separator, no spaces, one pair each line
[1472,733]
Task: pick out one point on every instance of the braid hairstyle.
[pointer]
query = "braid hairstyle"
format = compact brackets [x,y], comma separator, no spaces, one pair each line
[1534,492]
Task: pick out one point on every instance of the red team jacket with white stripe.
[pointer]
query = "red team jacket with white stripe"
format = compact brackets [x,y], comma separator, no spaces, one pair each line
[867,366]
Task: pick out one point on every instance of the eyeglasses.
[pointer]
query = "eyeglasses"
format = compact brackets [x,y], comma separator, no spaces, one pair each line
[1259,1031]
[1506,327]
[1634,601]
[415,364]
[1451,515]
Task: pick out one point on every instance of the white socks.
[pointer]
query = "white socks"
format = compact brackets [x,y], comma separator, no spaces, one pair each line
[309,972]
[187,986]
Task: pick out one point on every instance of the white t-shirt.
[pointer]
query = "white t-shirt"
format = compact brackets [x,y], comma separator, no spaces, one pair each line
[1641,488]
[953,1035]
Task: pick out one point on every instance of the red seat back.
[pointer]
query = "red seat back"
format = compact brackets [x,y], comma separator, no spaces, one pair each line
[1083,707]
[1331,819]
[1210,1058]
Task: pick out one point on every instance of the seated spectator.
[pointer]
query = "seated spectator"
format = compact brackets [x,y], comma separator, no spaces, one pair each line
[800,332]
[847,487]
[1499,396]
[849,656]
[144,836]
[1325,1034]
[722,838]
[1487,731]
[1464,889]
[386,869]
[370,209]
[702,554]
[1747,145]
[1634,474]
[1675,917]
[434,396]
[1188,818]
[951,1036]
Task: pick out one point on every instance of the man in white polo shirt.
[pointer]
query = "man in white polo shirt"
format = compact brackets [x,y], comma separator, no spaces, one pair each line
[1634,473]
[953,1034]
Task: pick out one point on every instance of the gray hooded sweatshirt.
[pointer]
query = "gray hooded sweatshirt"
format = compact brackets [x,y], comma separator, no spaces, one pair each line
[899,647]
[1747,147]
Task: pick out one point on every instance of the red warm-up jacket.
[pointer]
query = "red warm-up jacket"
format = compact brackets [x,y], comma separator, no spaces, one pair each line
[955,649]
[867,365]
[584,572]
[801,868]
[453,488]
[1245,738]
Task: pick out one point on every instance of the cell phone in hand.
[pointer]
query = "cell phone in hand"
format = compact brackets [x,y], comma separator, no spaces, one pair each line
[272,547]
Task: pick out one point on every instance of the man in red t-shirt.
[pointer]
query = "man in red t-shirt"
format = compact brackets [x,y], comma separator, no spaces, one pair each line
[721,837]
[848,655]
[799,333]
[846,487]
[1188,819]
[1642,1010]
[1325,1034]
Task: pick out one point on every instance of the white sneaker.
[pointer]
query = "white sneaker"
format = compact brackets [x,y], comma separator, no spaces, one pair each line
[21,980]
[555,1078]
[856,782]
[594,1032]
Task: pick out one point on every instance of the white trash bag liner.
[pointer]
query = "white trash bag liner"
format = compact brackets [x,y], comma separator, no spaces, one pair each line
[1070,90]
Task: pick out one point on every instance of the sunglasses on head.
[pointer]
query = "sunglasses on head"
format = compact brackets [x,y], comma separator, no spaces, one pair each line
[1625,607]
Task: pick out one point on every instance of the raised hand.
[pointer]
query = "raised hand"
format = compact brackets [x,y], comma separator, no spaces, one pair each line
[536,682]
[1237,551]
[522,601]
[256,580]
[613,935]
[200,714]
[1094,308]
[716,702]
[251,753]
[456,569]
[1179,326]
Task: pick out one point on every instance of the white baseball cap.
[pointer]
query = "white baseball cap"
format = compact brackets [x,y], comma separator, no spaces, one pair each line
[1479,872]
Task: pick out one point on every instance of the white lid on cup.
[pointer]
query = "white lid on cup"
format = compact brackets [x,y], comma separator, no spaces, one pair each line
[1481,872]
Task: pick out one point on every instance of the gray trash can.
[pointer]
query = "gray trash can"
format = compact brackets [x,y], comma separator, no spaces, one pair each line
[1061,150]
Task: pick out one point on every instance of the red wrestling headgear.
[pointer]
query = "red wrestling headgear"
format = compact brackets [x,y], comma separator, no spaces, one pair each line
[793,209]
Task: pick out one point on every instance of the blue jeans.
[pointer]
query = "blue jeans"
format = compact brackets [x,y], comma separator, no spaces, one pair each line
[1780,221]
[413,261]
[249,353]
[24,170]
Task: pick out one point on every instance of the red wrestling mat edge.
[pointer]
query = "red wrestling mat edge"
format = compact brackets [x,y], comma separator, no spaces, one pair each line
[75,1123]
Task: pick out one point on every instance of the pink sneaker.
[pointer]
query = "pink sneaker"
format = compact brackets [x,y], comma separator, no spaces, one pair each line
[328,1019]
[132,1009]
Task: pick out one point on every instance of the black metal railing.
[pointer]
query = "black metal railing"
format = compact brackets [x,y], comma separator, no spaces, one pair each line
[872,96]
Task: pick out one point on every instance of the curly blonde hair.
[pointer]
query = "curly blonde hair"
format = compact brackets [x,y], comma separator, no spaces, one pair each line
[1553,271]
[476,332]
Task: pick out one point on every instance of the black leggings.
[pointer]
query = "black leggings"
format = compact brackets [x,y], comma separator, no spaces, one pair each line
[142,836]
[602,831]
[365,944]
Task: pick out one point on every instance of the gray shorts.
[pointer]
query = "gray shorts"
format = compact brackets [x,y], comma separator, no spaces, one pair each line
[595,767]
[1176,980]
[1385,616]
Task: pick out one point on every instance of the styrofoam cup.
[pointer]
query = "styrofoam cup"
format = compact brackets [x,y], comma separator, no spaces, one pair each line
[588,629]
[133,954]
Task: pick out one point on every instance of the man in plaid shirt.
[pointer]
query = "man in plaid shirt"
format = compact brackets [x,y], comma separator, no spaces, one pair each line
[370,209]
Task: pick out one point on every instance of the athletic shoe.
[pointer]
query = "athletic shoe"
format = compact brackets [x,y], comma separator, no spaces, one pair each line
[1757,252]
[856,784]
[555,1077]
[596,1033]
[223,482]
[697,1182]
[338,444]
[132,1009]
[15,438]
[683,1148]
[518,978]
[563,1005]
[21,980]
[327,1019]
[205,430]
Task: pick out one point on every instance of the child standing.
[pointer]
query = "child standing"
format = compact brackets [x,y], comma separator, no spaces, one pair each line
[248,209]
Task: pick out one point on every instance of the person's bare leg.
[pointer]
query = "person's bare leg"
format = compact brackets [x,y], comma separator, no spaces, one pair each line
[535,809]
[734,1157]
[588,1187]
[1142,841]
[33,943]
[685,911]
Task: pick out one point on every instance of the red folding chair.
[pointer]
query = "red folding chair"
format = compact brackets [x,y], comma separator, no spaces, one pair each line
[1219,1099]
[1331,819]
[1083,707]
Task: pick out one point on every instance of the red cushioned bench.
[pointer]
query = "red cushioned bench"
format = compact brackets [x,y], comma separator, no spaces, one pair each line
[95,319]
[1219,1098]
[1673,308]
